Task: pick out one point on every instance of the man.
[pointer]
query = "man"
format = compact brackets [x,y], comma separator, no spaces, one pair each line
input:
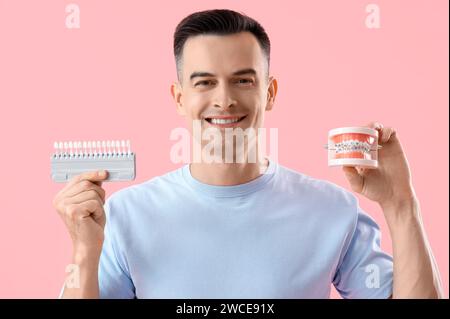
[251,229]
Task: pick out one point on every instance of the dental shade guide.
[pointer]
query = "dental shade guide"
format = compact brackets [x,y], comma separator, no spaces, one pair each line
[76,157]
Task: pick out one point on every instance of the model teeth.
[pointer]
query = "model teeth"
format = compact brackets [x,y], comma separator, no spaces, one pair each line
[352,146]
[91,149]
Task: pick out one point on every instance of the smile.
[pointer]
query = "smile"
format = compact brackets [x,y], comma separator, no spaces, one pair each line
[224,121]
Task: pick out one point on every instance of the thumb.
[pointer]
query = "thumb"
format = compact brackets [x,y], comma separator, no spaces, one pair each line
[355,179]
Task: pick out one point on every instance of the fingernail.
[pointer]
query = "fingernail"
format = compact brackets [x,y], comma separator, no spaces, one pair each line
[101,173]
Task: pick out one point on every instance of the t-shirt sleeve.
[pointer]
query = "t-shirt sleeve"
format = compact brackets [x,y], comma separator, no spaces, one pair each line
[113,275]
[365,271]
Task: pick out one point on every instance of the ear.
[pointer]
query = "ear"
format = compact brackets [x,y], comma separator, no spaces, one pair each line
[176,92]
[271,93]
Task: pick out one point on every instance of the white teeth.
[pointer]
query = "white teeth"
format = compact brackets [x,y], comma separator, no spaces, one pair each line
[128,147]
[224,121]
[92,149]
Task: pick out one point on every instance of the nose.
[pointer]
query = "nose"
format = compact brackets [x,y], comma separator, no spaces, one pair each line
[223,97]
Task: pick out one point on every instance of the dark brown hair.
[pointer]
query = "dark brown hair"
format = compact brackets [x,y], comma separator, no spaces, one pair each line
[217,22]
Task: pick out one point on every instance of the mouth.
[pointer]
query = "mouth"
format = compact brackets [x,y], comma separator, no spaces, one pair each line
[224,121]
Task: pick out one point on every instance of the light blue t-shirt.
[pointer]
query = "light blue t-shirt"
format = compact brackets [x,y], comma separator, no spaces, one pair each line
[281,235]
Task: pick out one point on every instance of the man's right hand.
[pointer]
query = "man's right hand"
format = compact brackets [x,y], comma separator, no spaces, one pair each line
[80,205]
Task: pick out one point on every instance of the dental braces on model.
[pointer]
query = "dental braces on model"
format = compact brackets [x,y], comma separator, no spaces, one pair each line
[353,146]
[72,158]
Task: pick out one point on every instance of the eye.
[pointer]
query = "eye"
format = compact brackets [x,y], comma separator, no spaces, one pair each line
[245,81]
[204,83]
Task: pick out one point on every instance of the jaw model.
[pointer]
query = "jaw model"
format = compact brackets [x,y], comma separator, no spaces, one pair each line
[353,146]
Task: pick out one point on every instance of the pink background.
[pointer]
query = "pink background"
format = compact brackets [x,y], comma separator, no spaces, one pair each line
[110,80]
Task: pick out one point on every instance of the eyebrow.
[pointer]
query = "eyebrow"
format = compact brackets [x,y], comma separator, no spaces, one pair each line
[205,74]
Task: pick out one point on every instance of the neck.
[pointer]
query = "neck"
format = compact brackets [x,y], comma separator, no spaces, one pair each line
[227,174]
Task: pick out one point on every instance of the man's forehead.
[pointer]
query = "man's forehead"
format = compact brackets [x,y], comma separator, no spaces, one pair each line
[230,53]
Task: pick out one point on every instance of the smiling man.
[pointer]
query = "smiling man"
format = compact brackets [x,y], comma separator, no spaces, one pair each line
[251,229]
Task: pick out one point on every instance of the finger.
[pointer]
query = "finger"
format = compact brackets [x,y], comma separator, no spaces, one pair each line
[94,208]
[375,125]
[84,186]
[86,209]
[76,212]
[386,135]
[95,176]
[83,197]
[355,179]
[98,183]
